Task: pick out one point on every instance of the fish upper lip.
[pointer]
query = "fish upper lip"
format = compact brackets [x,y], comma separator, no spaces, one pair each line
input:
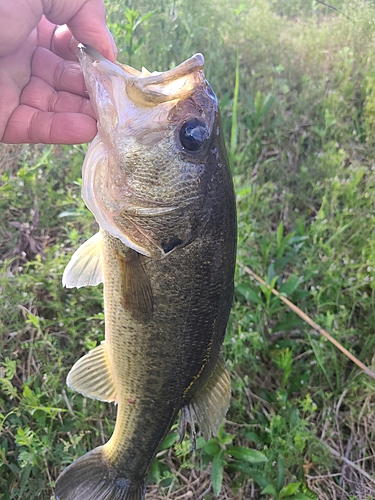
[150,88]
[90,51]
[194,63]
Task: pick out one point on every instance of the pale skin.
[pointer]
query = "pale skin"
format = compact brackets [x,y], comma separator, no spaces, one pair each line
[43,96]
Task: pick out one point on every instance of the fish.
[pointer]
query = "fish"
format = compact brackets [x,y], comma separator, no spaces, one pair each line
[157,179]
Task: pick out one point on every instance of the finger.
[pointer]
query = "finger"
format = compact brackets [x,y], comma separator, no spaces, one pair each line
[101,40]
[57,72]
[39,95]
[87,24]
[18,19]
[89,27]
[14,76]
[64,44]
[9,99]
[29,125]
[57,39]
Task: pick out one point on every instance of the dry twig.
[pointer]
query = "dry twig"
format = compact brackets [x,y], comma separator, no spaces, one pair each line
[314,325]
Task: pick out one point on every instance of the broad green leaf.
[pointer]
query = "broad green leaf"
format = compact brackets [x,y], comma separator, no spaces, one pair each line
[226,439]
[155,470]
[269,490]
[291,321]
[25,476]
[169,440]
[271,276]
[253,436]
[30,397]
[291,285]
[16,470]
[249,294]
[201,443]
[279,234]
[280,462]
[297,239]
[254,474]
[211,447]
[247,454]
[217,472]
[289,490]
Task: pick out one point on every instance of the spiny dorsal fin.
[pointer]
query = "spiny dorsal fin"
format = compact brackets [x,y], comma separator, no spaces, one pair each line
[136,291]
[92,376]
[85,266]
[209,405]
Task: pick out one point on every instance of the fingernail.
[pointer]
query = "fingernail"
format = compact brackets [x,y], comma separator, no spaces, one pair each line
[73,46]
[113,43]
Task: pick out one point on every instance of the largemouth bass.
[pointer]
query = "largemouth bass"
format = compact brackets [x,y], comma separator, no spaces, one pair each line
[157,179]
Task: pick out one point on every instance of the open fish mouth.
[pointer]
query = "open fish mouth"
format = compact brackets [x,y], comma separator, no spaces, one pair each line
[143,87]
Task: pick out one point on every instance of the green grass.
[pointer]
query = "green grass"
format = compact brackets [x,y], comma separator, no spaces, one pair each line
[296,82]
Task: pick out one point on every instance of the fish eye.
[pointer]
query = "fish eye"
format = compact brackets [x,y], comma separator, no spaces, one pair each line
[193,135]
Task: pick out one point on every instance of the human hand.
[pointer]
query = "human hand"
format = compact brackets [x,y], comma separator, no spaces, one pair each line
[43,96]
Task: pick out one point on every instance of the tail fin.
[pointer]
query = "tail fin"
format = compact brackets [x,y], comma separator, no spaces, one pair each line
[92,478]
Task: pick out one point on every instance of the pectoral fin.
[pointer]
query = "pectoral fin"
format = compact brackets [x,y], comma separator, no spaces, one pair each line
[92,376]
[209,405]
[85,266]
[136,289]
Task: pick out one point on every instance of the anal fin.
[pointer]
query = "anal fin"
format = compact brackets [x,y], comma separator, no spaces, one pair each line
[209,405]
[85,266]
[91,375]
